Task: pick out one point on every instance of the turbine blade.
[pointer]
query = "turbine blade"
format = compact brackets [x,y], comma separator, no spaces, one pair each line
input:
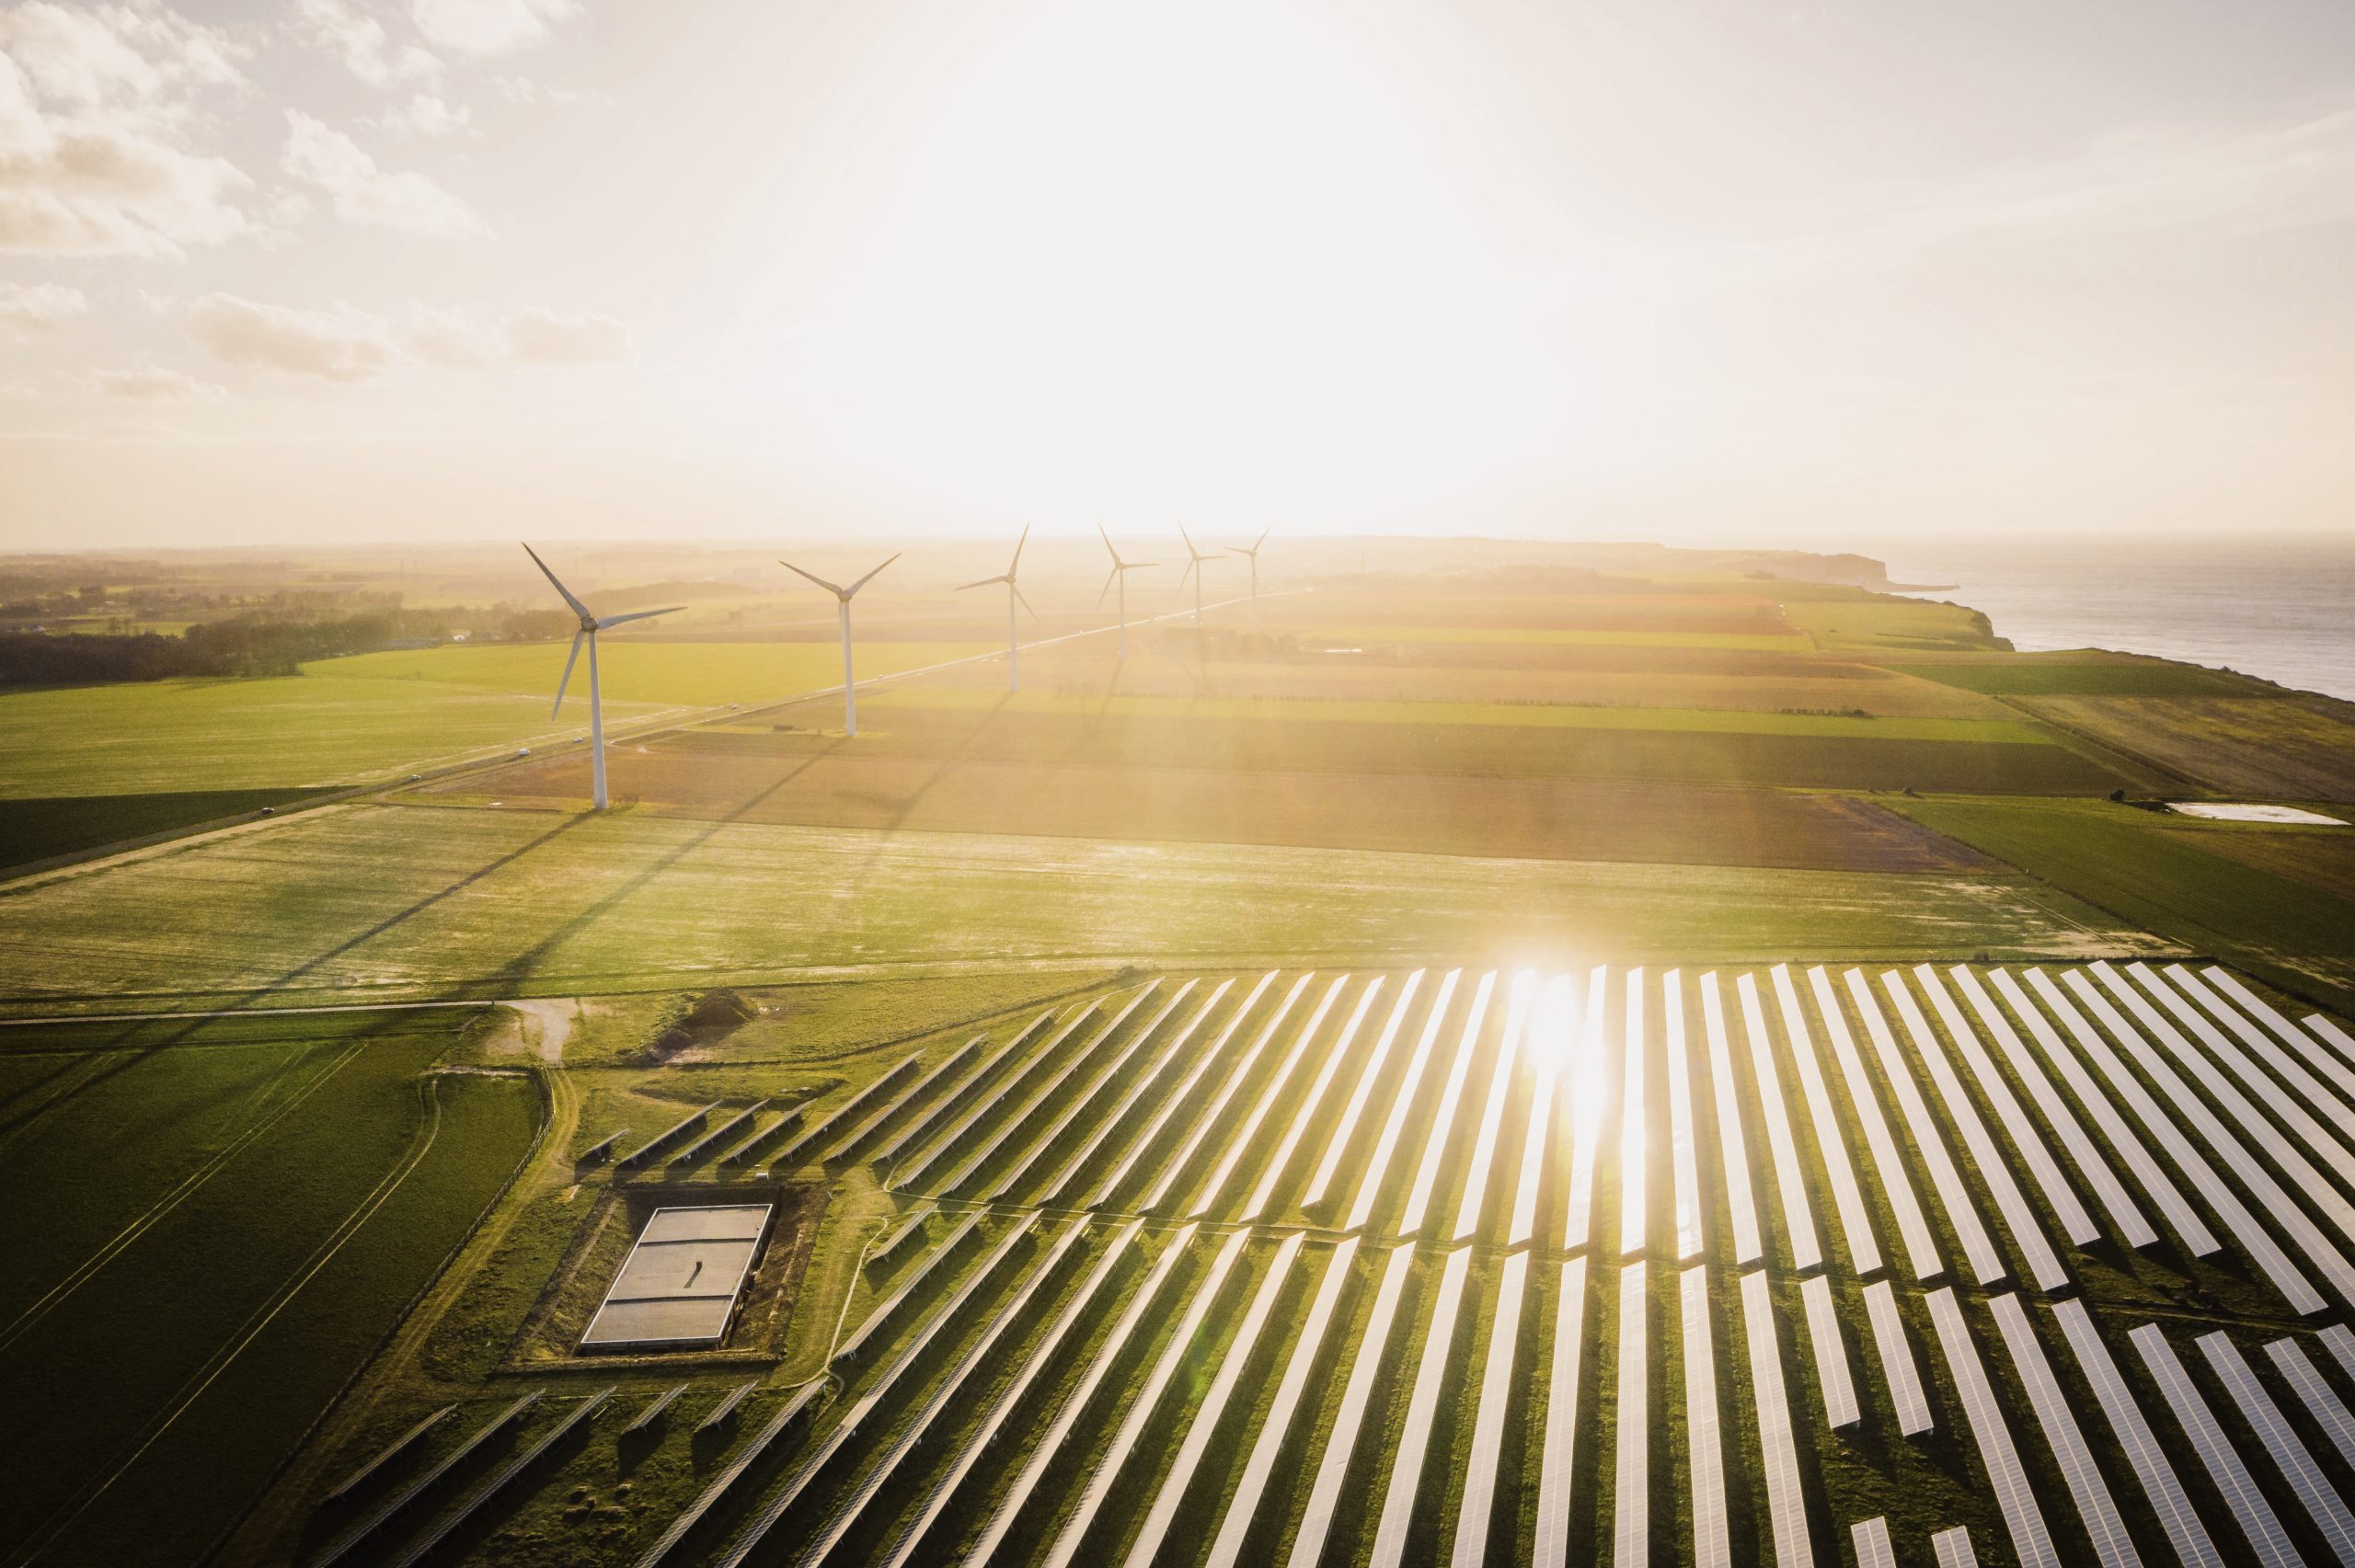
[1261,540]
[813,576]
[1108,546]
[870,577]
[1137,566]
[1106,589]
[1015,565]
[566,679]
[578,608]
[984,583]
[1026,603]
[1191,562]
[1189,542]
[638,615]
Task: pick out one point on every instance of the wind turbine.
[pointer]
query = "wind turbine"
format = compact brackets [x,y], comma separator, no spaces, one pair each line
[1194,559]
[1013,592]
[842,596]
[1119,574]
[589,626]
[1253,551]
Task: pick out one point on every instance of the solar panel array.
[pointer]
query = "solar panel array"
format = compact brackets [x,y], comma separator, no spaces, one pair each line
[1301,1267]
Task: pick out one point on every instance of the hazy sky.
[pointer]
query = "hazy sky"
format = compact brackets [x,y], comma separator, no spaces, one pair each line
[340,270]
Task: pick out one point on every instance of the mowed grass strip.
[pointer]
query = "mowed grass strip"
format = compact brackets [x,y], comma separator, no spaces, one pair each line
[1500,716]
[139,1358]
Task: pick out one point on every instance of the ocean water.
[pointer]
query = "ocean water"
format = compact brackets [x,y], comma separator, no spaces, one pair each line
[2282,611]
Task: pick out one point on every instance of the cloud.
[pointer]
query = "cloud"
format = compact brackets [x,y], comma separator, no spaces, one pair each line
[97,109]
[352,344]
[362,44]
[533,94]
[488,27]
[542,337]
[367,195]
[345,345]
[157,384]
[426,115]
[27,309]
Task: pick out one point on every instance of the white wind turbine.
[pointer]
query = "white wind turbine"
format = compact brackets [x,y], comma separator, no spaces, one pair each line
[589,626]
[1252,551]
[1194,559]
[1013,594]
[1119,574]
[843,596]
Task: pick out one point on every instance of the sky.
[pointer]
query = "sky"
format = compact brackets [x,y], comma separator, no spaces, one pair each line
[1713,272]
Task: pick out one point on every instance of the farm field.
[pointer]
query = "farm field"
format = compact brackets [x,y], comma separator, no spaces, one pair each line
[416,902]
[36,828]
[2054,675]
[276,1192]
[1244,1265]
[2296,747]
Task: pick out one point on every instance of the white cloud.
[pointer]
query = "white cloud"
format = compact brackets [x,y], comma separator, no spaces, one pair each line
[97,110]
[542,337]
[344,345]
[426,115]
[362,44]
[157,384]
[535,94]
[367,195]
[26,309]
[488,27]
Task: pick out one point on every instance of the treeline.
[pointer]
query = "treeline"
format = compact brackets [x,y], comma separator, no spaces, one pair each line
[253,645]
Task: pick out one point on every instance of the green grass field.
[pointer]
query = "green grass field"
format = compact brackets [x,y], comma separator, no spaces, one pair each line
[2045,676]
[277,1193]
[38,829]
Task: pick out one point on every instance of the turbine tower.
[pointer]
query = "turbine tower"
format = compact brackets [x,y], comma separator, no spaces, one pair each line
[589,626]
[1194,559]
[842,598]
[1013,594]
[1252,551]
[1119,574]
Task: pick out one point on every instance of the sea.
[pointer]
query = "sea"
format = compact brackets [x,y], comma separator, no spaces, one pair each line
[2281,609]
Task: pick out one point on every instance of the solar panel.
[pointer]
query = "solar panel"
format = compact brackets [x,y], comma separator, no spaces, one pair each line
[664,1139]
[1203,1425]
[1635,1127]
[1870,1538]
[1831,1354]
[1341,1443]
[1056,1188]
[1143,1143]
[2076,1224]
[1631,1493]
[1741,1206]
[942,1070]
[1994,1169]
[2287,1032]
[2254,1515]
[1851,1220]
[1474,1511]
[883,1311]
[2032,1542]
[786,1415]
[958,1098]
[2315,1493]
[2124,1213]
[655,1409]
[1385,1148]
[391,1451]
[1558,1464]
[400,1501]
[2296,1069]
[501,1478]
[1276,1429]
[1431,1379]
[1920,1248]
[1474,1202]
[1588,1091]
[2188,1225]
[2218,985]
[1703,1427]
[1778,1447]
[2328,1411]
[900,1235]
[1336,1147]
[712,1140]
[1241,1141]
[2229,1148]
[2333,1032]
[821,1136]
[1280,1164]
[2341,1343]
[1075,1102]
[1897,1369]
[1213,1115]
[915,1167]
[1043,1354]
[1551,1032]
[1799,1218]
[601,1150]
[1442,1133]
[1986,1263]
[2112,1546]
[764,1138]
[1952,1548]
[1683,1153]
[2151,1467]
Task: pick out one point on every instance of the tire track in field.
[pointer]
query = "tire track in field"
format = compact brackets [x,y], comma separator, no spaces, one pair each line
[429,1129]
[189,1187]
